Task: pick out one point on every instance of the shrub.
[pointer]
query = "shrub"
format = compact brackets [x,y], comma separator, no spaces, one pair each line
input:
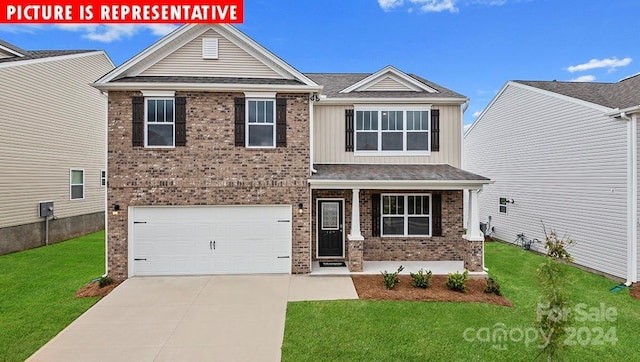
[420,279]
[458,282]
[492,286]
[391,279]
[104,281]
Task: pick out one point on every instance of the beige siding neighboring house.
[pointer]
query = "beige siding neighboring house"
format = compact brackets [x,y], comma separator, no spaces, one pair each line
[237,163]
[563,154]
[52,145]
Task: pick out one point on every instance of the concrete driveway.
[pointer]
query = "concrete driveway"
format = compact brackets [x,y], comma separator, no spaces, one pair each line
[202,318]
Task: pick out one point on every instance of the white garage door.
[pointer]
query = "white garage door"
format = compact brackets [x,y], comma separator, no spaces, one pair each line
[209,240]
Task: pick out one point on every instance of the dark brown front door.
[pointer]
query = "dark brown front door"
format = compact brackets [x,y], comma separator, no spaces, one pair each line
[330,223]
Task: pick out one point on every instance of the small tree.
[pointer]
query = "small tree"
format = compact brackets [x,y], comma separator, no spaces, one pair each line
[554,305]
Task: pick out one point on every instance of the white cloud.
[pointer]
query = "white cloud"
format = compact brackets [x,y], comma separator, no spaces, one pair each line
[476,114]
[436,6]
[387,5]
[114,32]
[19,28]
[466,127]
[610,63]
[584,78]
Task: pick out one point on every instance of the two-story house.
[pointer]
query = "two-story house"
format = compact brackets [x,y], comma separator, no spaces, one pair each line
[223,158]
[52,145]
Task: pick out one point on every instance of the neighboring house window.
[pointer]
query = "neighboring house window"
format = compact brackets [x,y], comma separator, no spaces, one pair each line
[261,126]
[159,122]
[392,130]
[76,187]
[503,205]
[103,178]
[406,215]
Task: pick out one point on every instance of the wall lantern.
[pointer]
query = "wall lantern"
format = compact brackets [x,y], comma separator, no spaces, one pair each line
[116,208]
[300,210]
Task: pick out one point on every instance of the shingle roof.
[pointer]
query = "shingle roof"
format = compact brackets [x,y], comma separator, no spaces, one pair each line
[366,172]
[217,80]
[12,47]
[335,82]
[623,94]
[38,54]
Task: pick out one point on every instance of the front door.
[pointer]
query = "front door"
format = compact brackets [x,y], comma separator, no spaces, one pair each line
[330,226]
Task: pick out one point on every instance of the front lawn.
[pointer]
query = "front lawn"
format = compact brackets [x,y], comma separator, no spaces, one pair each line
[37,290]
[417,331]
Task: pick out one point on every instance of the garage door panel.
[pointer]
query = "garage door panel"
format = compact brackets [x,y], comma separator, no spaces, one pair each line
[180,240]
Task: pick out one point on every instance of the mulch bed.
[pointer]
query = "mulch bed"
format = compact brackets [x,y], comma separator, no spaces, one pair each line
[372,287]
[635,290]
[93,290]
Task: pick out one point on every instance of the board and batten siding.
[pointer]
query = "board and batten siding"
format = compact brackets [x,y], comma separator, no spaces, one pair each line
[52,120]
[563,164]
[232,61]
[329,139]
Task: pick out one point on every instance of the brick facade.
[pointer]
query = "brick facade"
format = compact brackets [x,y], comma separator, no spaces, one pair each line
[209,170]
[449,246]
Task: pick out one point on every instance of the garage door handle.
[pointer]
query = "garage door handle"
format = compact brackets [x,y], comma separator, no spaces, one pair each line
[212,245]
[283,257]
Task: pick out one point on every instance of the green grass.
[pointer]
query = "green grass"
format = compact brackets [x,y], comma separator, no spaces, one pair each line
[419,331]
[37,290]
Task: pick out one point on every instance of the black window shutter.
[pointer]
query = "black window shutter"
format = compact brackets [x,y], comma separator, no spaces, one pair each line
[375,215]
[239,122]
[348,130]
[436,209]
[435,130]
[281,122]
[181,121]
[137,113]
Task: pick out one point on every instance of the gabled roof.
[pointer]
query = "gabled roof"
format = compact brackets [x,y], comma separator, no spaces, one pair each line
[23,55]
[623,94]
[132,68]
[12,49]
[388,73]
[334,83]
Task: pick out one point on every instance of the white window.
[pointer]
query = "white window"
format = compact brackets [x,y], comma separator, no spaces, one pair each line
[103,178]
[392,131]
[502,207]
[76,184]
[159,122]
[406,215]
[261,123]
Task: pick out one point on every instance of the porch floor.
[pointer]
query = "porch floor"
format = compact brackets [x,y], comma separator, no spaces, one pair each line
[375,267]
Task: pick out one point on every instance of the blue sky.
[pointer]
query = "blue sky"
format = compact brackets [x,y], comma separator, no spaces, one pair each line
[470,46]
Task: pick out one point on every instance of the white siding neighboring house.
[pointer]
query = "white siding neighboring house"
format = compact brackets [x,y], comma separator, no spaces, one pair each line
[563,154]
[52,144]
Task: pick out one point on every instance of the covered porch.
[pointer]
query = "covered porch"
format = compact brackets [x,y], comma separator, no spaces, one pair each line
[377,217]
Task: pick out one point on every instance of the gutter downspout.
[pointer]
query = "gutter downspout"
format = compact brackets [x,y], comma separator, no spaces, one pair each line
[632,197]
[465,196]
[106,183]
[311,153]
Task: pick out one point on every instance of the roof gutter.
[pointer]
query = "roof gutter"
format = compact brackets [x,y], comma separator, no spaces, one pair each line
[128,86]
[421,100]
[632,189]
[399,184]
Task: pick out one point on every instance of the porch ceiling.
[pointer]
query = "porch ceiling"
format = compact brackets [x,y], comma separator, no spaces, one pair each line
[394,176]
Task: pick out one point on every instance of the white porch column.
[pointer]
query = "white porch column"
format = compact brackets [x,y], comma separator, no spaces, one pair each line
[473,231]
[355,233]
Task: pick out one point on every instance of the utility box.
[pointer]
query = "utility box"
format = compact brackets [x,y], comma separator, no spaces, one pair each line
[46,208]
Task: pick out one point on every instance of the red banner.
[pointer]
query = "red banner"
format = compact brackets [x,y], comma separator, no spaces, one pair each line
[118,12]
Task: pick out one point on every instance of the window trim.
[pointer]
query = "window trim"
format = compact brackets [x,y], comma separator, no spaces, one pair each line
[405,132]
[103,178]
[146,121]
[406,216]
[248,126]
[71,184]
[503,205]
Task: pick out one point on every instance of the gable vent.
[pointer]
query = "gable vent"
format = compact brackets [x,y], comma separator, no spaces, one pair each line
[209,48]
